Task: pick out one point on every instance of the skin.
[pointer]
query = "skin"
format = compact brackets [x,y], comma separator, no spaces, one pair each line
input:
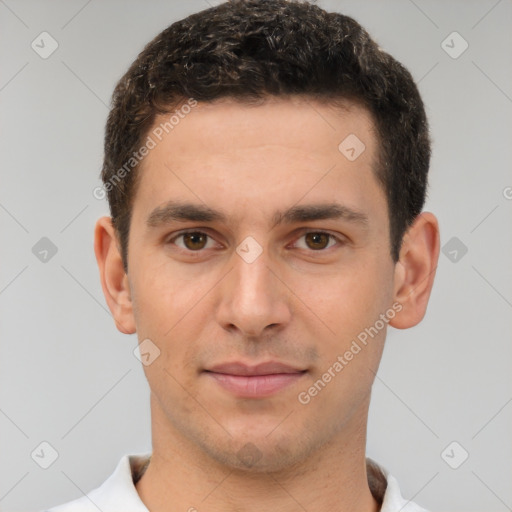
[300,302]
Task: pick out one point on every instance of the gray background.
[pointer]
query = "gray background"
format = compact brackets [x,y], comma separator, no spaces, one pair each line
[69,378]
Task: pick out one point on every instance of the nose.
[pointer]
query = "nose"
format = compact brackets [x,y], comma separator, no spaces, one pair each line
[253,299]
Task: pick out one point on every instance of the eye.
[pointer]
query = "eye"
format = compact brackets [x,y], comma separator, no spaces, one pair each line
[196,241]
[193,240]
[317,241]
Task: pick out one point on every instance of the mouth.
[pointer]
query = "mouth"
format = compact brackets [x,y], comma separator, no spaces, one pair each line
[255,381]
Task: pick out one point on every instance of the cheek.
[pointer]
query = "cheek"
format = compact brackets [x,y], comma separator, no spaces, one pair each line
[350,341]
[347,308]
[162,298]
[349,300]
[171,311]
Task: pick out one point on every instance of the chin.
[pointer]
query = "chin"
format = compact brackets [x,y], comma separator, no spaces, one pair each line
[258,454]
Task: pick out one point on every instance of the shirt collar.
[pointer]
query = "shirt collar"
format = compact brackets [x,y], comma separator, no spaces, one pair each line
[118,492]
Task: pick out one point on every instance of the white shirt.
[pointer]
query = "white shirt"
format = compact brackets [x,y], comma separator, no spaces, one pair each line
[118,492]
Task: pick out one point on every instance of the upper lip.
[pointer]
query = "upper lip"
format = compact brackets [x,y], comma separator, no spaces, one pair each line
[267,368]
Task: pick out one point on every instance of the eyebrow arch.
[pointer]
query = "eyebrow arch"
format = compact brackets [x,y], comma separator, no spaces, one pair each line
[174,210]
[179,211]
[321,211]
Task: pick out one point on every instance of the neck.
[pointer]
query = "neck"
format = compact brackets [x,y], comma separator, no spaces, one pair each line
[181,477]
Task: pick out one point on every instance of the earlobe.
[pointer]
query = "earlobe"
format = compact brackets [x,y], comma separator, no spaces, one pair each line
[114,280]
[415,270]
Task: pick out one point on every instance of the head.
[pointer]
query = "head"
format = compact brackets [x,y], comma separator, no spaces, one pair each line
[295,153]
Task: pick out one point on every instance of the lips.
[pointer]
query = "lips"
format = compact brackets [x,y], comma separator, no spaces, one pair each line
[268,368]
[254,381]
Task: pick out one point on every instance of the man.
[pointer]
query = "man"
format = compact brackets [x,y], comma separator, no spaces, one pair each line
[266,166]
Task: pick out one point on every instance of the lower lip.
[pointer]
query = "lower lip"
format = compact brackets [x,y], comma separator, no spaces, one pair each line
[255,386]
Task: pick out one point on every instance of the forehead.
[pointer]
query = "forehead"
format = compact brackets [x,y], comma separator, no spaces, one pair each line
[229,124]
[279,150]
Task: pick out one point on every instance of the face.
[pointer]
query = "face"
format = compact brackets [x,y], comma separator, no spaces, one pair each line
[258,262]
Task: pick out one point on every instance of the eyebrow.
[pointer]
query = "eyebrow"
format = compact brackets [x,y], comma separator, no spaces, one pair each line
[180,211]
[173,210]
[322,211]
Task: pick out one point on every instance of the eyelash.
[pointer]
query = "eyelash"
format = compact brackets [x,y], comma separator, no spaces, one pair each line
[195,231]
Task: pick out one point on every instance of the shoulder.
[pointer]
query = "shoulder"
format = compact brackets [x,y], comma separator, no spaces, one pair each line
[386,491]
[393,499]
[116,494]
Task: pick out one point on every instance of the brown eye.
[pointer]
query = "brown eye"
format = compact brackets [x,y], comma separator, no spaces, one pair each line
[195,241]
[317,241]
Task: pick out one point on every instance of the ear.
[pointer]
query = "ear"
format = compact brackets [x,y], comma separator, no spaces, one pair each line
[114,280]
[415,270]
